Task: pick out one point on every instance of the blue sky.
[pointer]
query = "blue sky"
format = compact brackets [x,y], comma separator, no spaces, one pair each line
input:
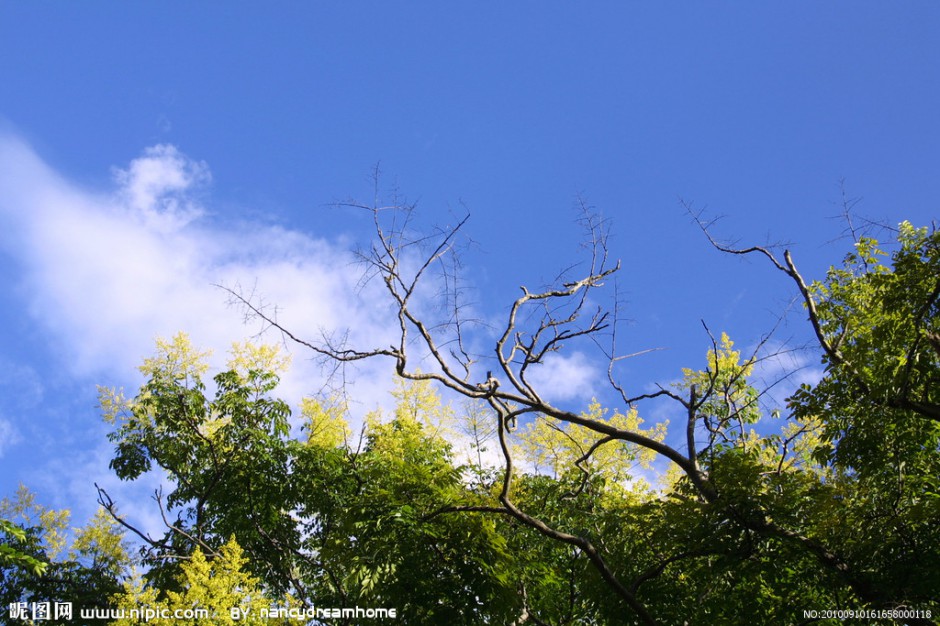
[148,150]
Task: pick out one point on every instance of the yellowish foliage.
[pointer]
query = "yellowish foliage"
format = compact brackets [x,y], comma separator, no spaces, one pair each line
[794,449]
[326,422]
[23,509]
[672,475]
[246,357]
[177,359]
[210,590]
[102,542]
[728,400]
[113,403]
[554,447]
[477,428]
[726,359]
[54,524]
[213,424]
[419,401]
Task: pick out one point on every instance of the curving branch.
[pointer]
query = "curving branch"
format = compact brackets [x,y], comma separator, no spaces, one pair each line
[831,346]
[539,323]
[586,546]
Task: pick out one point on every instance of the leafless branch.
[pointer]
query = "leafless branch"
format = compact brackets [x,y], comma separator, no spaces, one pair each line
[829,345]
[539,324]
[110,507]
[105,500]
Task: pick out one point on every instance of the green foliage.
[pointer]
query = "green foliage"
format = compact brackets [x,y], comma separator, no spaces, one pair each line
[12,557]
[879,404]
[227,455]
[880,398]
[315,518]
[97,558]
[834,506]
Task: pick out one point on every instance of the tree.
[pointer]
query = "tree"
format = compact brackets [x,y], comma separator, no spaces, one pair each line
[836,508]
[401,259]
[227,457]
[765,506]
[216,592]
[85,575]
[877,414]
[13,557]
[879,406]
[325,520]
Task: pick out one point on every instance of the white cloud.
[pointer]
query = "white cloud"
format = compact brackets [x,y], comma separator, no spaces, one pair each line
[20,385]
[107,272]
[21,391]
[780,371]
[157,185]
[104,272]
[566,377]
[9,436]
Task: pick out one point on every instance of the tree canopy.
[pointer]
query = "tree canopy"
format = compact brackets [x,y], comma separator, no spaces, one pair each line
[558,514]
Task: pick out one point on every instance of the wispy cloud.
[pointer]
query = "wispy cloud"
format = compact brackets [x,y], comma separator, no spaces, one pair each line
[157,187]
[781,369]
[107,271]
[21,391]
[102,272]
[567,377]
[8,435]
